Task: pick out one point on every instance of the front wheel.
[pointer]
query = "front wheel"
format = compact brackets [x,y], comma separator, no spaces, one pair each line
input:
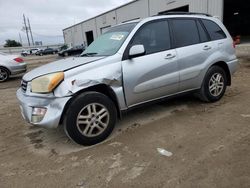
[90,118]
[214,85]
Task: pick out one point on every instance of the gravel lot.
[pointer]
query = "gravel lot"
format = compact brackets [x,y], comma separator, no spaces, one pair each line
[210,144]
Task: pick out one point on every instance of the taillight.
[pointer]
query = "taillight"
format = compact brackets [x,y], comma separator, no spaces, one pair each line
[18,60]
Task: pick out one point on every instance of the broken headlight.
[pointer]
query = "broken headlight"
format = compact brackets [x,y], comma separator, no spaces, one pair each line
[46,83]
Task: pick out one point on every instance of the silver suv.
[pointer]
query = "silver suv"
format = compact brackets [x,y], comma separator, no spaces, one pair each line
[129,65]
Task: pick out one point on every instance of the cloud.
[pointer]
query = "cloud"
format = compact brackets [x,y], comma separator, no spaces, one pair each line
[48,17]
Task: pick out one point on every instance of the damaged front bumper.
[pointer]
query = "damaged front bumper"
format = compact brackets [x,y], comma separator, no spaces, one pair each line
[41,111]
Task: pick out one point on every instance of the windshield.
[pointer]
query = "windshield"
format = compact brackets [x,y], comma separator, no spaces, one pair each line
[110,42]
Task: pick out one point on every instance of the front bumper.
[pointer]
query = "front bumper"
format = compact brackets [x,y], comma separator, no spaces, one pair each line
[54,106]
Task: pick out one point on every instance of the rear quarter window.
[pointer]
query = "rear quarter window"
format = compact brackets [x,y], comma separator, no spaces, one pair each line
[215,32]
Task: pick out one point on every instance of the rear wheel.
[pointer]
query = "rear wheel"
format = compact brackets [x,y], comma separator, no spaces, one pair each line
[90,119]
[214,84]
[4,74]
[66,54]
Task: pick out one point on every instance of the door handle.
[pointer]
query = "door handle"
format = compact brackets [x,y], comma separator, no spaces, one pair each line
[207,47]
[170,56]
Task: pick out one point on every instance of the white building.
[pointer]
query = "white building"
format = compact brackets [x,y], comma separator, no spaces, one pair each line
[85,32]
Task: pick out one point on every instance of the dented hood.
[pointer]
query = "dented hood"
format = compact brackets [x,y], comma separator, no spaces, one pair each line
[58,66]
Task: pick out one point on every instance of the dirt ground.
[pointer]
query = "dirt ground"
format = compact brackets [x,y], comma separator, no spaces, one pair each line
[210,144]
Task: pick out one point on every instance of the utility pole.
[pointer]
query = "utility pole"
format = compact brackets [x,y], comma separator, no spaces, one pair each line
[20,38]
[26,29]
[31,32]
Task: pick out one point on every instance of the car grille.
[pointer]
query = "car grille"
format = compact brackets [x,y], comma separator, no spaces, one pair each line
[24,86]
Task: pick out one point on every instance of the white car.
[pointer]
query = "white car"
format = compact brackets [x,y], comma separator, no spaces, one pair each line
[10,65]
[30,51]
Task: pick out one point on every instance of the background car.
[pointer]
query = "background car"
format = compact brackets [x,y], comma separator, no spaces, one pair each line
[76,50]
[29,51]
[11,65]
[47,51]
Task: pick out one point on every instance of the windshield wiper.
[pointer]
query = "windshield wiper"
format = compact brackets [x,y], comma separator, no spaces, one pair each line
[88,54]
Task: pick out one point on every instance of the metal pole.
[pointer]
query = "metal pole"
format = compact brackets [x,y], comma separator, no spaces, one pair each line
[31,32]
[26,29]
[20,38]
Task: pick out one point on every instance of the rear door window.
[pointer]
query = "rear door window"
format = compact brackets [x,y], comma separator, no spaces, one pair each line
[215,32]
[185,32]
[203,34]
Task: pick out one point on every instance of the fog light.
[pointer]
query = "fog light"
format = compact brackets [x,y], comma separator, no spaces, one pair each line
[38,114]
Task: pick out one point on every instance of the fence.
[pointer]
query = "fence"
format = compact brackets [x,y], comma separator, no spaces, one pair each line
[18,50]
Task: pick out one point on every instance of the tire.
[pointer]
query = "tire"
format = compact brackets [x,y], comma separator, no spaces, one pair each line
[80,123]
[4,74]
[41,54]
[66,54]
[214,85]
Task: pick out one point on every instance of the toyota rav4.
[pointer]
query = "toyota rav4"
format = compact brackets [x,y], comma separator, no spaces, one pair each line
[131,64]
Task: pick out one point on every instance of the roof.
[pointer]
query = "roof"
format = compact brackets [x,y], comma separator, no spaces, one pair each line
[102,14]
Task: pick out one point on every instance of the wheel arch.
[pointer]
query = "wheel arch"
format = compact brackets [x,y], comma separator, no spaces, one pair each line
[100,88]
[3,67]
[225,67]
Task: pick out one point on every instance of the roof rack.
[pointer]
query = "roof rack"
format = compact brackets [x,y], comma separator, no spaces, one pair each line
[183,13]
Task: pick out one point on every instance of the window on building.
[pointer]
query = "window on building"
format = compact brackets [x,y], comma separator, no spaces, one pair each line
[215,32]
[154,36]
[185,32]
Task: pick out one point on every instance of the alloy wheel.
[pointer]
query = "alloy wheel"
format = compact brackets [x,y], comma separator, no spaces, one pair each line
[216,84]
[92,120]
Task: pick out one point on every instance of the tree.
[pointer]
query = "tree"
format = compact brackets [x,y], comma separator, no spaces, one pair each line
[12,43]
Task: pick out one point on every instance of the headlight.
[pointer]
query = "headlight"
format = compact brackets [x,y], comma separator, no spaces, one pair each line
[46,83]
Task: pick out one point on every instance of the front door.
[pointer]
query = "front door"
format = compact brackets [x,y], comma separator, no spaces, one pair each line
[154,74]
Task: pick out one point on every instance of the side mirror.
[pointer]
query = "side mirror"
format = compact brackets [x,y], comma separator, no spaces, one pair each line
[136,51]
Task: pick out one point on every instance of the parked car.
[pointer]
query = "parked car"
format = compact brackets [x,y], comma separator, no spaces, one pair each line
[130,65]
[29,51]
[76,50]
[47,51]
[10,65]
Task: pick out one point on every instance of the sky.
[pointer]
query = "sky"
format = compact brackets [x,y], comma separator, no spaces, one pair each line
[47,17]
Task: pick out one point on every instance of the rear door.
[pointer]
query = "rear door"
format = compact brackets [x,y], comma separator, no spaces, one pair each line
[193,48]
[154,74]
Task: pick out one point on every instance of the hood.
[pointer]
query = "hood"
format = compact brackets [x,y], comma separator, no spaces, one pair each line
[59,66]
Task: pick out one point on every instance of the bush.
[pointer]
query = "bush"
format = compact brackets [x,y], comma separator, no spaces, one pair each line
[12,43]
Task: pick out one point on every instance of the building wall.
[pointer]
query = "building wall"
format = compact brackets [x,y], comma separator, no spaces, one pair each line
[89,25]
[75,35]
[215,8]
[157,6]
[105,21]
[68,36]
[138,9]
